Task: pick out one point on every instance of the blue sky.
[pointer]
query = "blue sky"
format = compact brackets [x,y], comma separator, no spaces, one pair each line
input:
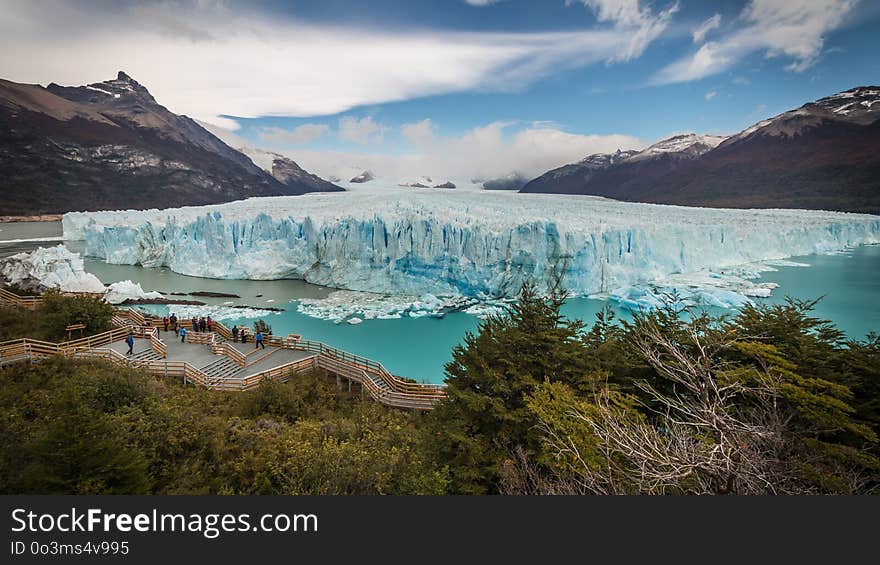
[447,87]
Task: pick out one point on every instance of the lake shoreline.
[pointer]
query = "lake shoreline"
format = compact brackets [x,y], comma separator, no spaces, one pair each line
[37,218]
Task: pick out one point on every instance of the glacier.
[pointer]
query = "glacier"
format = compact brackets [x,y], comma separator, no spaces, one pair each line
[459,243]
[49,268]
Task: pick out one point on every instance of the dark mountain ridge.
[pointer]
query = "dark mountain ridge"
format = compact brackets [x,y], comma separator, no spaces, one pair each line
[110,145]
[823,155]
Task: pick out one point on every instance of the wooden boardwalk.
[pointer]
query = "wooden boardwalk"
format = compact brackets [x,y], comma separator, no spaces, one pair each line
[213,361]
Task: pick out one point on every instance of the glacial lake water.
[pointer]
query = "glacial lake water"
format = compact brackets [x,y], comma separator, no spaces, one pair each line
[420,347]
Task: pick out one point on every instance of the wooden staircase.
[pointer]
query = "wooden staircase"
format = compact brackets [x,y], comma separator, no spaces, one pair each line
[146,355]
[221,368]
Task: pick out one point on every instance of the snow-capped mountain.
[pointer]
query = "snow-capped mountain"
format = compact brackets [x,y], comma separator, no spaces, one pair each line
[854,106]
[597,171]
[686,146]
[286,171]
[823,155]
[365,176]
[425,182]
[511,181]
[111,145]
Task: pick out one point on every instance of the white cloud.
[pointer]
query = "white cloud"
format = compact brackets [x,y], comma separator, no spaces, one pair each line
[710,24]
[207,59]
[419,133]
[481,3]
[630,16]
[488,151]
[361,131]
[794,29]
[710,95]
[300,135]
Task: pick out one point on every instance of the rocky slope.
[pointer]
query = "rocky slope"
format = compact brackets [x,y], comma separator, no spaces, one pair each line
[111,145]
[823,155]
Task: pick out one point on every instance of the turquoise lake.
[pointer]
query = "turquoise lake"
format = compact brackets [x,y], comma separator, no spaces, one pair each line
[419,347]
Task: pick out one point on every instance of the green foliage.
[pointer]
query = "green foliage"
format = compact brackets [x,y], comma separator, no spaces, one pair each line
[490,379]
[77,427]
[59,311]
[532,391]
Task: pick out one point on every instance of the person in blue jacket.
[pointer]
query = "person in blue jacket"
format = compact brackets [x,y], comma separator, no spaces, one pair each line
[182,335]
[259,341]
[130,341]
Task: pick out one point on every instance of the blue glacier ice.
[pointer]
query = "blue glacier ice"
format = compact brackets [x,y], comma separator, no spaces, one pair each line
[474,244]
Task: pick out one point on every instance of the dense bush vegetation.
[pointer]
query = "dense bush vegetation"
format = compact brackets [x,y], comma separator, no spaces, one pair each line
[88,427]
[771,400]
[56,313]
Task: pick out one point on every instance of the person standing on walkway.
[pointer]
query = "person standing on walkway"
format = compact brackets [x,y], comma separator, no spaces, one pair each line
[259,341]
[202,325]
[210,323]
[195,323]
[182,335]
[165,323]
[130,341]
[174,323]
[234,333]
[244,335]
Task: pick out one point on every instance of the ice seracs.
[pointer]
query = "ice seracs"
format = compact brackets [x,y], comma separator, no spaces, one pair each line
[121,291]
[49,268]
[471,244]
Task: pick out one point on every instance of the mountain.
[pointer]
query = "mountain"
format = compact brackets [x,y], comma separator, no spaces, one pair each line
[287,172]
[365,176]
[624,172]
[425,182]
[111,145]
[283,169]
[511,181]
[823,155]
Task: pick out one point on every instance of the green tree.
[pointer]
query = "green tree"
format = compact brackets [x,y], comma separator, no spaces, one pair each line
[59,311]
[490,379]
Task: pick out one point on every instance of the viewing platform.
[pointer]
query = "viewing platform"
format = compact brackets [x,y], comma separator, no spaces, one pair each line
[214,361]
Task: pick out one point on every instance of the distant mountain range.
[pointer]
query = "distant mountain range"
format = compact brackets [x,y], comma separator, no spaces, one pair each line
[110,145]
[823,155]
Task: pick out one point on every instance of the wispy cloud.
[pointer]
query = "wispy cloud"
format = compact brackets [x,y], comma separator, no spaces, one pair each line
[420,133]
[362,131]
[710,95]
[300,135]
[704,28]
[634,18]
[488,151]
[794,29]
[207,59]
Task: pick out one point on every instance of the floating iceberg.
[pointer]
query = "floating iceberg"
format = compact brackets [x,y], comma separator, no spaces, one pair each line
[50,268]
[121,291]
[450,243]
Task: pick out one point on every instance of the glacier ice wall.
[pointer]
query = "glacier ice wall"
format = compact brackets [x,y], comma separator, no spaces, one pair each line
[468,243]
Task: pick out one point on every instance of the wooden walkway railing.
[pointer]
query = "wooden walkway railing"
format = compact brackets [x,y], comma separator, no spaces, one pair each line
[29,302]
[374,378]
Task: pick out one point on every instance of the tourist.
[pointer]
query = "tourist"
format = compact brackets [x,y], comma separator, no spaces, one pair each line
[210,324]
[165,323]
[259,341]
[234,333]
[182,335]
[195,323]
[130,341]
[202,325]
[244,335]
[174,323]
